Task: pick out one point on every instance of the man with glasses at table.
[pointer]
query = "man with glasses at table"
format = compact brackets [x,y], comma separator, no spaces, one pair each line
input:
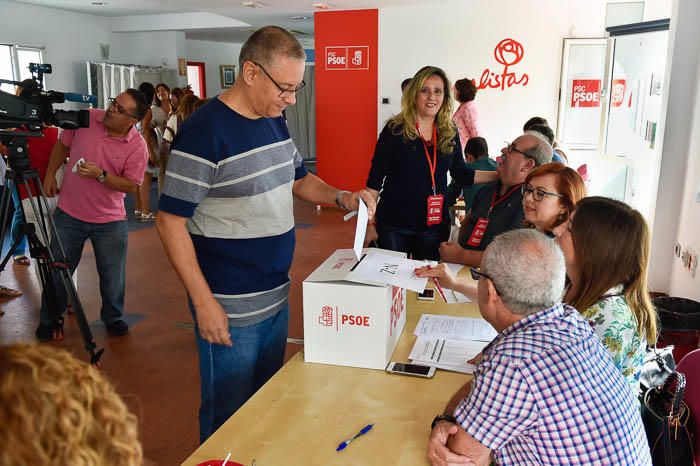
[107,160]
[498,206]
[546,390]
[226,220]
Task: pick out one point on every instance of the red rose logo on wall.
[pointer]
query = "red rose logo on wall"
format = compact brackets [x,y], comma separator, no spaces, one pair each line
[508,52]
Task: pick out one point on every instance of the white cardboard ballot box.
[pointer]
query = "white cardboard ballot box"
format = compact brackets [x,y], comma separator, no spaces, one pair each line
[347,323]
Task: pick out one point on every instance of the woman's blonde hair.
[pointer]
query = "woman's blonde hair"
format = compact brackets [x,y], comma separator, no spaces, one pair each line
[611,246]
[56,410]
[405,122]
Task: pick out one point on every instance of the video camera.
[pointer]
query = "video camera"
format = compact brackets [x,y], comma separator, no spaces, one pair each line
[36,107]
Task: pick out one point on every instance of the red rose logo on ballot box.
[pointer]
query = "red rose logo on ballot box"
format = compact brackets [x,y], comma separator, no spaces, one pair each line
[350,323]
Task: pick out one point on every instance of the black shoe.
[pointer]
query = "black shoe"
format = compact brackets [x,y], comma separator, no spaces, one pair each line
[117,328]
[44,332]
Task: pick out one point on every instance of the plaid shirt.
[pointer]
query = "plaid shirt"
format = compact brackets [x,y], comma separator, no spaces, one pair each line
[546,392]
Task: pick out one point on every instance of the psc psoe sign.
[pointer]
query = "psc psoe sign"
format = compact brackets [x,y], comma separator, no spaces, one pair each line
[347,57]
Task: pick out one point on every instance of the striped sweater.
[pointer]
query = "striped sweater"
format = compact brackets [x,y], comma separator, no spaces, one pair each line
[232,178]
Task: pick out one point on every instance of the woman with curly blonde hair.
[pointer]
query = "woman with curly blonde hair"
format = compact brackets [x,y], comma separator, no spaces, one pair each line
[56,410]
[414,152]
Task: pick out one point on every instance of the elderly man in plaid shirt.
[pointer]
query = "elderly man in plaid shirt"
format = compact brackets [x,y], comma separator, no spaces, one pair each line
[546,391]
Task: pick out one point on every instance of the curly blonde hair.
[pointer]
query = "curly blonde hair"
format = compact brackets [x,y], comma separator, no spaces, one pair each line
[56,410]
[405,122]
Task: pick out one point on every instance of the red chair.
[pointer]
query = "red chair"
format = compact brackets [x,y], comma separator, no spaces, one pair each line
[690,367]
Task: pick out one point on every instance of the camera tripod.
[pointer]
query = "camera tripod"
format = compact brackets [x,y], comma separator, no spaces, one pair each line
[53,271]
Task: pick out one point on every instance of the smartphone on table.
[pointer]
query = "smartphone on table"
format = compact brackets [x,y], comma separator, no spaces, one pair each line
[428,294]
[415,370]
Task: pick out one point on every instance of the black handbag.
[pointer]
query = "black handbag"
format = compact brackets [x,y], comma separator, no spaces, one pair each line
[658,365]
[667,422]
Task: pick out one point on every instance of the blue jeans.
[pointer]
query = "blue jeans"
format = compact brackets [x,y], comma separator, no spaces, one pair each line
[229,376]
[109,241]
[17,236]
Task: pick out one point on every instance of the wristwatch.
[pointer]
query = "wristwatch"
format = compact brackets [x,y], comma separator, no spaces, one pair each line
[102,177]
[338,197]
[443,417]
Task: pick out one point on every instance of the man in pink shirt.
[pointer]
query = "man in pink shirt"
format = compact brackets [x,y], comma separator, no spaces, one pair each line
[106,160]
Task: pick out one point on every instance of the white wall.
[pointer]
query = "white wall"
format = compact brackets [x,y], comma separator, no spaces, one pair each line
[678,214]
[69,40]
[460,37]
[213,54]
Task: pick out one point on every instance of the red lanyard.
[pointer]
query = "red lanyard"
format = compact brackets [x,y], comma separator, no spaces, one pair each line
[431,164]
[495,202]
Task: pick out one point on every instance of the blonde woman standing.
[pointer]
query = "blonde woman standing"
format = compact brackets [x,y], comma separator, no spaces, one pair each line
[415,151]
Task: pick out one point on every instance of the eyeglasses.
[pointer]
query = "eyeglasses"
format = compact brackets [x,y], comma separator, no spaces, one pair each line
[283,92]
[510,147]
[477,274]
[537,193]
[113,102]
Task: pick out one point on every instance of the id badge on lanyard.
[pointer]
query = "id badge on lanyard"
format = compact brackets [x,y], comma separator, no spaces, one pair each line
[435,202]
[482,223]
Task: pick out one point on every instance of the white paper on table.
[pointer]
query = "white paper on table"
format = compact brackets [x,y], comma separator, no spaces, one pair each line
[455,297]
[376,267]
[456,328]
[448,354]
[361,228]
[454,268]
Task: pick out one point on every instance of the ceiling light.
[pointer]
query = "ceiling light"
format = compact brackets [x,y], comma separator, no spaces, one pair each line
[321,6]
[301,18]
[252,4]
[99,3]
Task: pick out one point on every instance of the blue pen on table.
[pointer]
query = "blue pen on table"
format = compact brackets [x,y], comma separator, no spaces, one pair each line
[362,432]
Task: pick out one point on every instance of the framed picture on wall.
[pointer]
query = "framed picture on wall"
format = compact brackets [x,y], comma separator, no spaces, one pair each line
[228,75]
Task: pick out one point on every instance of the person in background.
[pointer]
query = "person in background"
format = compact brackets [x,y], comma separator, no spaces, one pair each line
[153,127]
[606,247]
[19,238]
[545,391]
[148,90]
[176,96]
[184,110]
[200,103]
[404,84]
[550,193]
[5,292]
[476,152]
[58,411]
[498,207]
[466,118]
[107,160]
[414,152]
[541,126]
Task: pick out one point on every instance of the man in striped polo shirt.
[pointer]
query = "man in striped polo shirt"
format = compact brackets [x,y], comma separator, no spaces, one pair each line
[546,390]
[226,221]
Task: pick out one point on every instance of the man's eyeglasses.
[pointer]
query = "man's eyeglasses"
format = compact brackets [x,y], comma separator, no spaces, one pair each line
[477,274]
[283,92]
[113,102]
[510,147]
[537,193]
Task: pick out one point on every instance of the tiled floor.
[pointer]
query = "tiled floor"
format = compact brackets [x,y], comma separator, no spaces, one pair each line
[155,366]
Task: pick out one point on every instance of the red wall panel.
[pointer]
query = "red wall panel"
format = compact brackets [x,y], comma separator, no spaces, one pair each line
[346,95]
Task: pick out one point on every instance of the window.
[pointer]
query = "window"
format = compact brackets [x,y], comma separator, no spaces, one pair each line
[14,63]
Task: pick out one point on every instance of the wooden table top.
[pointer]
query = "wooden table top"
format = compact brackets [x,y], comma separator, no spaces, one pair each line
[301,415]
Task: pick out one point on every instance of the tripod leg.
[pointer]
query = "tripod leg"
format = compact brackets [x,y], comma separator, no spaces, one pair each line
[55,271]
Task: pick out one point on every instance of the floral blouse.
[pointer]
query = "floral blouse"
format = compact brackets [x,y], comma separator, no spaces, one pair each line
[615,324]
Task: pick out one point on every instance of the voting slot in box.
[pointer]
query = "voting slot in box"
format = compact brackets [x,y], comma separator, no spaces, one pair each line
[349,323]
